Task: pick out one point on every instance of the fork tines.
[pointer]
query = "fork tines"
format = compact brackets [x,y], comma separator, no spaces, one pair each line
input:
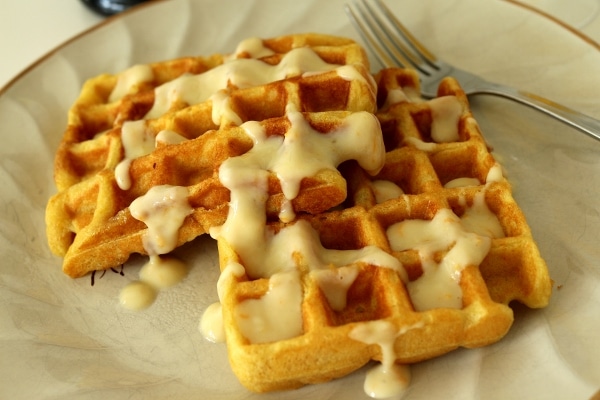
[391,43]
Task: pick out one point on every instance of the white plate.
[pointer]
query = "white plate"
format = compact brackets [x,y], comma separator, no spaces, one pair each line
[63,338]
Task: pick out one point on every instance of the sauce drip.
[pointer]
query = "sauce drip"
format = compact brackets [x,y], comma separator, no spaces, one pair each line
[136,142]
[302,152]
[387,379]
[462,182]
[252,47]
[167,137]
[163,209]
[274,316]
[401,95]
[241,73]
[156,275]
[445,113]
[439,285]
[480,220]
[386,190]
[129,79]
[334,284]
[211,323]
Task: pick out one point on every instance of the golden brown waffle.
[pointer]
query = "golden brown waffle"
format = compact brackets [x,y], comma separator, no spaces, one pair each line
[288,327]
[88,221]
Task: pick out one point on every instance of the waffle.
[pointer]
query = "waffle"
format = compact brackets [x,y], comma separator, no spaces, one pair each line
[89,222]
[424,256]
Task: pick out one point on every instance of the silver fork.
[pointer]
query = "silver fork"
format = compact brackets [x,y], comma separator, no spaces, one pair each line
[393,45]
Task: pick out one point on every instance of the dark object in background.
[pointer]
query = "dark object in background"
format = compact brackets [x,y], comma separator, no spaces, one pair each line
[110,7]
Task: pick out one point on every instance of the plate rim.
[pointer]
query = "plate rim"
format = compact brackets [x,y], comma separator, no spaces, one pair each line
[154,3]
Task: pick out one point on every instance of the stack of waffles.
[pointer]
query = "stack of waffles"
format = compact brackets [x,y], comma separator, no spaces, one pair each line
[355,221]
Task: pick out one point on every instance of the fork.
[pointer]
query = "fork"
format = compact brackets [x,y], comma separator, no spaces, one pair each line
[394,45]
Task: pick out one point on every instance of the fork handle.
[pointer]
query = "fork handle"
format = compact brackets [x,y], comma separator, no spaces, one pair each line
[577,120]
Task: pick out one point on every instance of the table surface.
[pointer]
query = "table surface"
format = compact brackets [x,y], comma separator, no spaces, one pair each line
[31,28]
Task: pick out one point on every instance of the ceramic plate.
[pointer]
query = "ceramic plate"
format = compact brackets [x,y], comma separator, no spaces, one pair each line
[62,338]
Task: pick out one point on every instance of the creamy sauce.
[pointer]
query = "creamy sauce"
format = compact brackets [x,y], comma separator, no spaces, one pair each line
[163,209]
[421,145]
[156,275]
[304,151]
[136,139]
[251,47]
[334,284]
[222,113]
[494,174]
[137,296]
[439,285]
[211,323]
[350,73]
[241,73]
[163,272]
[462,182]
[167,137]
[129,79]
[287,213]
[277,314]
[401,95]
[480,220]
[445,112]
[387,379]
[301,239]
[136,142]
[382,382]
[122,176]
[395,96]
[386,190]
